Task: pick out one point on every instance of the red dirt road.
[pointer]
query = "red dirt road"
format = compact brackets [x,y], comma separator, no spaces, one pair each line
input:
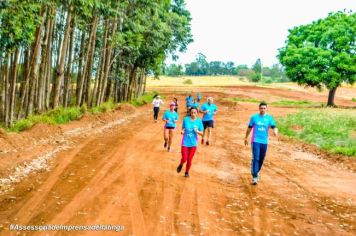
[125,177]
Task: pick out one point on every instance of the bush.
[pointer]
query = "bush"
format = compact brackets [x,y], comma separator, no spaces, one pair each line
[188,81]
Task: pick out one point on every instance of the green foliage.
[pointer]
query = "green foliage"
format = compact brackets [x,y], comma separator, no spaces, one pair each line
[188,81]
[144,99]
[322,53]
[331,129]
[298,103]
[353,99]
[242,100]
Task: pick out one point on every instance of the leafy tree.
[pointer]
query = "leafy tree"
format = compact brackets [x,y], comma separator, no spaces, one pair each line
[322,53]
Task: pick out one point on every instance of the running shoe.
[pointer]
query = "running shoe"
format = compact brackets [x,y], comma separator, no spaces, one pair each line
[169,149]
[202,141]
[254,180]
[179,168]
[207,143]
[165,144]
[186,174]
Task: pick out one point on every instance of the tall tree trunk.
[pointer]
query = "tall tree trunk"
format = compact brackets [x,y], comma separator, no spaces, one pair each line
[34,64]
[108,64]
[43,67]
[331,97]
[13,87]
[60,66]
[99,78]
[2,95]
[79,83]
[85,82]
[48,74]
[68,76]
[6,88]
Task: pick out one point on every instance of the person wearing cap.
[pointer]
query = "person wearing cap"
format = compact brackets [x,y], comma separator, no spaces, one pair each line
[189,102]
[170,117]
[192,126]
[157,101]
[209,109]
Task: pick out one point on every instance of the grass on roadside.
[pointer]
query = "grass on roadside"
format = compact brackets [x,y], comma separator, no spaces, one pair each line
[64,115]
[242,100]
[333,130]
[281,103]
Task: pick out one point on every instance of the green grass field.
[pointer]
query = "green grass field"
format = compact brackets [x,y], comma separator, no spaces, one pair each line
[333,130]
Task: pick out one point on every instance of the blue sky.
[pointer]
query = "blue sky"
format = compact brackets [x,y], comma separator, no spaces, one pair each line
[244,30]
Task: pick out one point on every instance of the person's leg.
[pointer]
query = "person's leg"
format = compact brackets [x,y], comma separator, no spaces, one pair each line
[190,158]
[155,111]
[208,135]
[263,150]
[204,132]
[171,134]
[183,159]
[165,136]
[255,159]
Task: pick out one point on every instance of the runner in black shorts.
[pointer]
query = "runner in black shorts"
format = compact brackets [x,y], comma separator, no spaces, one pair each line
[209,109]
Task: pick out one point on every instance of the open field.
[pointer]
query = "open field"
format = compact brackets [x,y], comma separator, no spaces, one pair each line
[112,169]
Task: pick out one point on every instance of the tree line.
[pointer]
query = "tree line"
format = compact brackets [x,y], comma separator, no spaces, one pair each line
[74,52]
[201,67]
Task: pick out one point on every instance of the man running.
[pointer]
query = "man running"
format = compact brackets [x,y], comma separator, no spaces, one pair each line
[170,117]
[192,126]
[209,109]
[157,101]
[260,124]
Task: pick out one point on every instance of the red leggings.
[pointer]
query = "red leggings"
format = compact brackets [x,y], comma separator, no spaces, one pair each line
[187,155]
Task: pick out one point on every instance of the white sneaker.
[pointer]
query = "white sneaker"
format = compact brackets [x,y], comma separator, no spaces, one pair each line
[254,180]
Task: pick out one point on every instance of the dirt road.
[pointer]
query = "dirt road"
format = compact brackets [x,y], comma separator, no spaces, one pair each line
[125,177]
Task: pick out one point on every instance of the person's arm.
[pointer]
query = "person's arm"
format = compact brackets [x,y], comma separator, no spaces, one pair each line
[248,131]
[274,128]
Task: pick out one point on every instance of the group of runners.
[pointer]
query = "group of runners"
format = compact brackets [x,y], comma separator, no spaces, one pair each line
[193,126]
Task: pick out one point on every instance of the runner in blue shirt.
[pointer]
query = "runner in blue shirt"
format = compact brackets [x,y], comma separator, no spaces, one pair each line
[260,124]
[198,97]
[192,126]
[209,109]
[170,117]
[189,102]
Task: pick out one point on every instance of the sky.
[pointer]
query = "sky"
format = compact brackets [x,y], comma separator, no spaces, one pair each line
[244,30]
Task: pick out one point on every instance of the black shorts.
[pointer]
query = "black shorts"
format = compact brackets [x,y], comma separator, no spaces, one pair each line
[169,127]
[208,123]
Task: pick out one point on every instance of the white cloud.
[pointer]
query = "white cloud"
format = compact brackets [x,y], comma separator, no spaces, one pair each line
[244,30]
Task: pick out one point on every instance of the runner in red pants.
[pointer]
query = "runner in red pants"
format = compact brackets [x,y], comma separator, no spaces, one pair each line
[192,126]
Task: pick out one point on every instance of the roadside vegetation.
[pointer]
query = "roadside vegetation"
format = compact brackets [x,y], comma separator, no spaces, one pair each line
[333,130]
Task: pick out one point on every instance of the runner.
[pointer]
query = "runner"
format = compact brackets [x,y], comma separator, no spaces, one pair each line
[170,117]
[260,124]
[209,109]
[199,97]
[189,102]
[157,101]
[196,105]
[175,100]
[192,126]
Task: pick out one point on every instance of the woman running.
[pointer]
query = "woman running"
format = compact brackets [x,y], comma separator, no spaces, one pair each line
[192,126]
[175,100]
[157,101]
[170,117]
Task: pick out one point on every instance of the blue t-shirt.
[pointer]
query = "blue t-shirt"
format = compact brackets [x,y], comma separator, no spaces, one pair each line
[199,95]
[260,125]
[190,137]
[196,105]
[189,101]
[172,117]
[211,108]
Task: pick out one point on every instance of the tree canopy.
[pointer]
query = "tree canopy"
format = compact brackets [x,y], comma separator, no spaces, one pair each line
[322,53]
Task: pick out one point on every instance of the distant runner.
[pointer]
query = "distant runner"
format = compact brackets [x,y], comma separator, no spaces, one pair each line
[198,97]
[209,109]
[189,100]
[157,101]
[191,127]
[170,117]
[260,124]
[175,100]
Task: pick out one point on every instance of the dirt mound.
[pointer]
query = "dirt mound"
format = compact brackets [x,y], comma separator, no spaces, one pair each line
[127,108]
